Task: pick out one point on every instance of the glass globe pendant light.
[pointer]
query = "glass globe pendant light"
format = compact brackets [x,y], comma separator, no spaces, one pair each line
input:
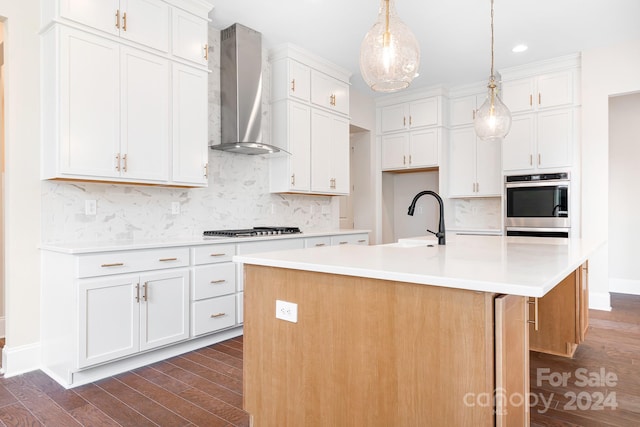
[389,54]
[493,118]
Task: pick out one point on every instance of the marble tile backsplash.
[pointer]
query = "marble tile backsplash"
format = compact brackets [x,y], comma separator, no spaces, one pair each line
[477,213]
[237,197]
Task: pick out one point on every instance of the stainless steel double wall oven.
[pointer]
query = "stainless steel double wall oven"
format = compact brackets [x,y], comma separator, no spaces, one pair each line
[538,205]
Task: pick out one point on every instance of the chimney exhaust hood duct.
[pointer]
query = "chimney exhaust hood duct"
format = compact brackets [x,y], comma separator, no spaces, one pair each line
[241,92]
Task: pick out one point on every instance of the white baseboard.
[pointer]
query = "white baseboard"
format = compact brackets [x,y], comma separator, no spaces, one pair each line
[2,334]
[18,360]
[600,301]
[624,286]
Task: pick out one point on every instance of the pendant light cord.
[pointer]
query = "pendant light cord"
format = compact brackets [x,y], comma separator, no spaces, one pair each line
[492,75]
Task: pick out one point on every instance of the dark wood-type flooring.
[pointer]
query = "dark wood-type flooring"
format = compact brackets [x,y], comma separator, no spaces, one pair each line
[204,387]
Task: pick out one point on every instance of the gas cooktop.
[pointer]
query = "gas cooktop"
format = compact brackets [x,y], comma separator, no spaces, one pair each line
[252,232]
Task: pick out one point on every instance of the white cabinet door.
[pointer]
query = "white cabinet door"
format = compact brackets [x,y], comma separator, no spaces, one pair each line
[392,118]
[488,168]
[100,15]
[190,125]
[299,81]
[423,148]
[300,145]
[329,153]
[144,124]
[517,95]
[108,319]
[89,104]
[555,90]
[424,112]
[164,308]
[145,22]
[328,92]
[462,110]
[189,37]
[518,145]
[340,155]
[555,132]
[393,151]
[462,162]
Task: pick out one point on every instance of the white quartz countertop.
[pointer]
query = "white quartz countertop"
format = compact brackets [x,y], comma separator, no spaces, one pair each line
[506,265]
[124,245]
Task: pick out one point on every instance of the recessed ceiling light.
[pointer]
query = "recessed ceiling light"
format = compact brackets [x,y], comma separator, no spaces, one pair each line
[519,48]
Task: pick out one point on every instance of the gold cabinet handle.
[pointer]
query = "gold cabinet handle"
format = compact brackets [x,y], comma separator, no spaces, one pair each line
[293,85]
[115,264]
[410,120]
[343,243]
[473,114]
[530,159]
[409,154]
[206,51]
[145,289]
[124,21]
[167,259]
[217,282]
[530,100]
[404,121]
[137,292]
[362,241]
[124,161]
[539,98]
[534,322]
[206,170]
[118,162]
[118,19]
[215,316]
[539,159]
[293,179]
[332,100]
[319,244]
[218,254]
[404,160]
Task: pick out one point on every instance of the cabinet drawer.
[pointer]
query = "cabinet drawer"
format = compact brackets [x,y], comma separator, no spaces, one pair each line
[213,253]
[129,261]
[314,242]
[214,280]
[213,314]
[350,239]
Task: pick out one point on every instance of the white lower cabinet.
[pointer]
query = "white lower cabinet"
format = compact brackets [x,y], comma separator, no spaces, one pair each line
[124,315]
[105,312]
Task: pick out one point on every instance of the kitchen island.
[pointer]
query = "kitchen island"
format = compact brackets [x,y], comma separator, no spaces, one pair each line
[407,334]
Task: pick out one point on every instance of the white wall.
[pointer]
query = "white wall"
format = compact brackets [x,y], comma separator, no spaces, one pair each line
[606,71]
[427,213]
[624,203]
[2,125]
[22,183]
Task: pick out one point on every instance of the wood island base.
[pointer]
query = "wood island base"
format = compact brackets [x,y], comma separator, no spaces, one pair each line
[380,353]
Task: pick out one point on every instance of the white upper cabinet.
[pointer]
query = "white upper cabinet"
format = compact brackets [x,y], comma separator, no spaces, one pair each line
[142,21]
[190,123]
[538,93]
[293,80]
[406,150]
[117,105]
[474,165]
[329,93]
[411,115]
[189,37]
[462,110]
[310,108]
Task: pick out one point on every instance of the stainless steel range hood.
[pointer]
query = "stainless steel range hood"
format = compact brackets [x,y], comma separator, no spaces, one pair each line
[241,92]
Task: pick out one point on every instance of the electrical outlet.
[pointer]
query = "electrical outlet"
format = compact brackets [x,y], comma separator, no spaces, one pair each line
[175,208]
[90,207]
[287,311]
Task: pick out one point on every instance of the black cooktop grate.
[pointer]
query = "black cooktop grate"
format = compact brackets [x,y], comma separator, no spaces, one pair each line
[251,232]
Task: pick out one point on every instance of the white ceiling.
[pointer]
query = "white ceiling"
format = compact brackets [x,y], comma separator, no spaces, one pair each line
[454,35]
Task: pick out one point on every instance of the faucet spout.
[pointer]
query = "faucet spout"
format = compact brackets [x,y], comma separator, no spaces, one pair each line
[441,231]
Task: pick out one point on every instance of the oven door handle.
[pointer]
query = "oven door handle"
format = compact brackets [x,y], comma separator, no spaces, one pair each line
[532,184]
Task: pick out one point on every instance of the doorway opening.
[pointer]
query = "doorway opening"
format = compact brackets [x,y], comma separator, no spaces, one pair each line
[355,209]
[2,156]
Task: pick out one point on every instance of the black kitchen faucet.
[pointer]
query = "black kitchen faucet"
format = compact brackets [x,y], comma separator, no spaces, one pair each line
[440,234]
